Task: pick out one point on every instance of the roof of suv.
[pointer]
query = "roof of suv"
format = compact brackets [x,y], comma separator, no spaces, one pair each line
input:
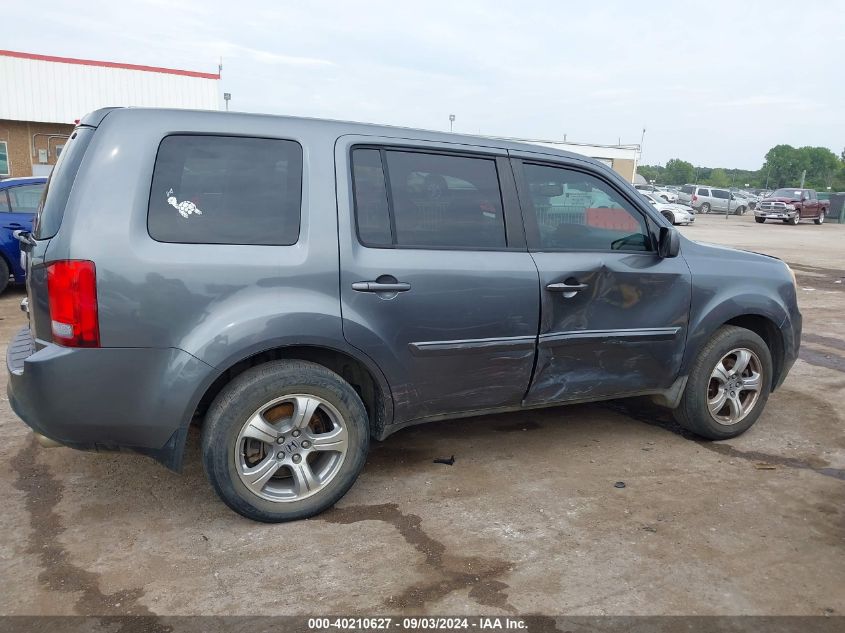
[348,127]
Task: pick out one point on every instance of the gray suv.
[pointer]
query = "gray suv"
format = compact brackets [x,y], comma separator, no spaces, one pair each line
[297,287]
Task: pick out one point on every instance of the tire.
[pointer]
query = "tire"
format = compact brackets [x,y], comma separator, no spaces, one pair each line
[4,275]
[265,402]
[670,217]
[820,219]
[739,211]
[759,220]
[704,388]
[793,221]
[704,208]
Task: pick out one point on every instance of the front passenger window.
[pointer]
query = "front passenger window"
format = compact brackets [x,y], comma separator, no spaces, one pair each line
[577,211]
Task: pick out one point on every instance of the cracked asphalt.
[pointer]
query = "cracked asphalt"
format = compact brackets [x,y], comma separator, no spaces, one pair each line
[527,520]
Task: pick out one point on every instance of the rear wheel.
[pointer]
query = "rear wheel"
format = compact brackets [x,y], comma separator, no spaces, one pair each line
[728,386]
[284,440]
[759,220]
[704,208]
[820,219]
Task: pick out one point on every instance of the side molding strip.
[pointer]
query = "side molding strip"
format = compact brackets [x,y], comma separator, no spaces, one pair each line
[473,346]
[638,335]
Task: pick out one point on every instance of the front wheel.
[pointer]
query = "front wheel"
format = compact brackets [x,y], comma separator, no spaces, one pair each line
[284,440]
[728,386]
[759,220]
[793,220]
[820,219]
[670,217]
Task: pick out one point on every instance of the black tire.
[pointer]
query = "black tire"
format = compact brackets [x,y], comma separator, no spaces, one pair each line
[704,208]
[820,219]
[759,220]
[693,413]
[246,394]
[739,211]
[4,275]
[793,221]
[670,217]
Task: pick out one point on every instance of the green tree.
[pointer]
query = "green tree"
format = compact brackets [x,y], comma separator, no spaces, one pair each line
[678,172]
[719,178]
[783,166]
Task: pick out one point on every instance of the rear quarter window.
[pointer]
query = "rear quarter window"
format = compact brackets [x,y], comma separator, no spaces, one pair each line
[226,190]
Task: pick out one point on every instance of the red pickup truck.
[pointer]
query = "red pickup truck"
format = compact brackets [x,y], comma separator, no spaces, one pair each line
[792,205]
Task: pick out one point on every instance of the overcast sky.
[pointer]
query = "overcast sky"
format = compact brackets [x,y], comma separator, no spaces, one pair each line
[716,83]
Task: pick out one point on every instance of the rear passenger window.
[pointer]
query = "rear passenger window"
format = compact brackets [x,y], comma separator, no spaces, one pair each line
[25,198]
[226,190]
[372,214]
[721,194]
[433,200]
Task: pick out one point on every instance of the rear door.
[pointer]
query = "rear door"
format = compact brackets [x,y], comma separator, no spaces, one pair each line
[613,314]
[437,286]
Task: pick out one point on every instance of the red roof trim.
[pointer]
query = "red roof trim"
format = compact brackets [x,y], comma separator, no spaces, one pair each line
[91,62]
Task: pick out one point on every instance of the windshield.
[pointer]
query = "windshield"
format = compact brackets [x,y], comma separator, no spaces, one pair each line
[787,193]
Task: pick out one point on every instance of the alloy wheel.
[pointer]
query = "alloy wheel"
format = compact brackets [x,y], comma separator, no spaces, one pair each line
[734,386]
[291,447]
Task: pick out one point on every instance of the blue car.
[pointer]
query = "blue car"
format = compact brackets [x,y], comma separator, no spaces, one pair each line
[19,198]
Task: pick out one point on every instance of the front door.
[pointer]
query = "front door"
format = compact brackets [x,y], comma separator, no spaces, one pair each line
[436,284]
[809,205]
[614,314]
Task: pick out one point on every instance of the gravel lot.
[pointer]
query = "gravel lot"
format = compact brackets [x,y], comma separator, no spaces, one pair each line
[527,520]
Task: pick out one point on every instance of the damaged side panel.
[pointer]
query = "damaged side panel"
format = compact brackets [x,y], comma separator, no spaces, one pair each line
[624,333]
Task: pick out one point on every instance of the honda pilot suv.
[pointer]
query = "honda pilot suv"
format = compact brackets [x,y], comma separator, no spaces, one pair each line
[296,287]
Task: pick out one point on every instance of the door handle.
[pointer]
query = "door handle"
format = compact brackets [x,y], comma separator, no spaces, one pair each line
[565,287]
[376,286]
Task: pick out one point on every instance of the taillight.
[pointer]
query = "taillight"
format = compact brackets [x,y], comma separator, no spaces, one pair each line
[72,290]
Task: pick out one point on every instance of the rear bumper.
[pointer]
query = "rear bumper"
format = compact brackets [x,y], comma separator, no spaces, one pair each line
[137,399]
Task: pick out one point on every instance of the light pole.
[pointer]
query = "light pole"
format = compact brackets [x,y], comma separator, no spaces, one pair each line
[642,143]
[451,121]
[227,96]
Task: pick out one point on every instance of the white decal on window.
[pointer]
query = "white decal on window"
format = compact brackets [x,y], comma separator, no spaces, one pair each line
[184,208]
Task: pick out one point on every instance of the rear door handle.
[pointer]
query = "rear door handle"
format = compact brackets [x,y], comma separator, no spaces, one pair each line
[375,286]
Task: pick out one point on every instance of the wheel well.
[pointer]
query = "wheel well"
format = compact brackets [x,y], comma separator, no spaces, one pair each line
[769,332]
[347,367]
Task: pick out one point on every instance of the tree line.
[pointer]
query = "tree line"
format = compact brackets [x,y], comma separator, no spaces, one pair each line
[782,168]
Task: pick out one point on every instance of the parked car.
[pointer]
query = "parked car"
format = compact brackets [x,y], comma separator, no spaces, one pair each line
[19,199]
[790,205]
[298,287]
[675,213]
[705,199]
[666,195]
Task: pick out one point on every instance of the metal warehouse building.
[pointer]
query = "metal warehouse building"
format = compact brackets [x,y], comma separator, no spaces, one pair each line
[41,97]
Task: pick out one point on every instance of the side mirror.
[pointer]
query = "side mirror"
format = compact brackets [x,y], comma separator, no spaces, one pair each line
[669,242]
